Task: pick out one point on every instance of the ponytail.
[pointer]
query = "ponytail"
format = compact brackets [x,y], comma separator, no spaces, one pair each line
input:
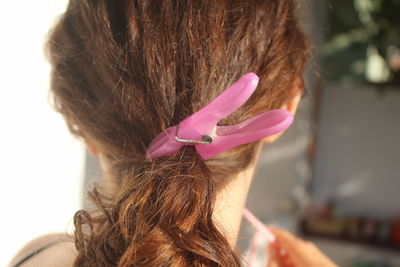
[163,214]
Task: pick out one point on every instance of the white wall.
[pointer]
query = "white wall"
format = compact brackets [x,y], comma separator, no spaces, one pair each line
[41,165]
[358,151]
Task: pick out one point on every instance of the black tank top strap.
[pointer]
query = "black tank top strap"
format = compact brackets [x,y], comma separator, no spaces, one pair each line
[34,252]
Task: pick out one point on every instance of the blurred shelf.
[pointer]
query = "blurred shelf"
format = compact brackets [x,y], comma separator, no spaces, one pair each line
[344,253]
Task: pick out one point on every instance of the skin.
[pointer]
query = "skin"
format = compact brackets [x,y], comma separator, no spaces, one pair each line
[227,214]
[290,251]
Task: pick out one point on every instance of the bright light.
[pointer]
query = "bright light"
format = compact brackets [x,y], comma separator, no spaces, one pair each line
[41,165]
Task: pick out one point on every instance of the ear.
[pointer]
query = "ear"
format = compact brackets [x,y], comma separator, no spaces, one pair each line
[291,106]
[92,149]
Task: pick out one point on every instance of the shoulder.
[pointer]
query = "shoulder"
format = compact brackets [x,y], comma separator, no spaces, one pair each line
[56,250]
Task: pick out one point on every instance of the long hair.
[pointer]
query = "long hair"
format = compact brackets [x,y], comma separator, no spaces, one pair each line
[122,72]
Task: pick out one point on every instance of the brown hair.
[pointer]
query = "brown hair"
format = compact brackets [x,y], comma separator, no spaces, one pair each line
[122,71]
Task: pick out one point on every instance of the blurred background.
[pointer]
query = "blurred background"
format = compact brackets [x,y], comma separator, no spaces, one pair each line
[41,165]
[333,177]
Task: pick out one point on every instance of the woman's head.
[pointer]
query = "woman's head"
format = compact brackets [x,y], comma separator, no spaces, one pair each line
[122,71]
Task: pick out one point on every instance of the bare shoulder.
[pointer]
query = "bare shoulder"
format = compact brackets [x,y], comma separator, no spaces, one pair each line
[59,251]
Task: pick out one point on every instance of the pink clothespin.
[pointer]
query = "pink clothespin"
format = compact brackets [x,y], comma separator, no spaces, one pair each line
[200,129]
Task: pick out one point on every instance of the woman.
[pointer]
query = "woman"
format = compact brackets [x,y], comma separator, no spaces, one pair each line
[122,73]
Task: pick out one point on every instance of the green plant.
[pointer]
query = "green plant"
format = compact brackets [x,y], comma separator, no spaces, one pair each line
[363,41]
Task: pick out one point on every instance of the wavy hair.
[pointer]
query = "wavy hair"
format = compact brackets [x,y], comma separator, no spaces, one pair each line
[123,71]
